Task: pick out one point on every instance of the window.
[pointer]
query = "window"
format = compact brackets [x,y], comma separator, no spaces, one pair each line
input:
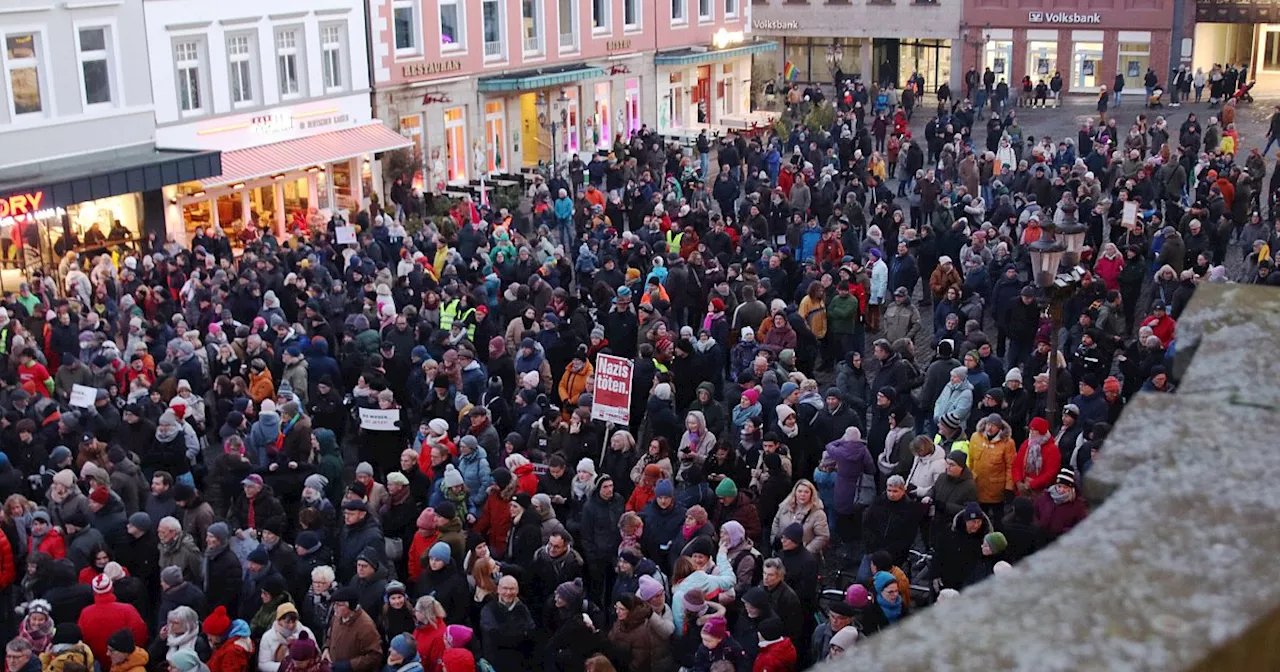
[452,29]
[730,8]
[494,135]
[531,25]
[240,70]
[404,18]
[678,14]
[491,13]
[630,14]
[287,49]
[95,66]
[568,12]
[600,15]
[186,56]
[22,64]
[455,144]
[1271,51]
[331,56]
[1134,59]
[704,10]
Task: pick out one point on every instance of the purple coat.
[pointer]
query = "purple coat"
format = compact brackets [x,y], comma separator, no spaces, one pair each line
[852,461]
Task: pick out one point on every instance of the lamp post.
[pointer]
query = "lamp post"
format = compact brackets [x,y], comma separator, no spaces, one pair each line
[1047,256]
[557,114]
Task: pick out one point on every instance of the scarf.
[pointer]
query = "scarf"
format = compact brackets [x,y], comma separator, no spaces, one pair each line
[1061,494]
[630,542]
[187,640]
[741,415]
[892,610]
[789,432]
[688,531]
[1034,460]
[40,638]
[582,489]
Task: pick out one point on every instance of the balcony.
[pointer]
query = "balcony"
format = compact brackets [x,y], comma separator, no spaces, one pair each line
[568,42]
[533,45]
[493,50]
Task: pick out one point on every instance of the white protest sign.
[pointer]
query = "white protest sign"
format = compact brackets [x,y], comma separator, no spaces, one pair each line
[380,420]
[611,400]
[346,235]
[1130,213]
[83,396]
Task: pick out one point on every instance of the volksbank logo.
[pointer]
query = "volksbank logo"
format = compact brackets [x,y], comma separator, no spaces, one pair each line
[1064,17]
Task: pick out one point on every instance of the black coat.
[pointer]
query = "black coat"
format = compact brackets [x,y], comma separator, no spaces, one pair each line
[508,635]
[891,526]
[524,539]
[450,589]
[222,579]
[599,537]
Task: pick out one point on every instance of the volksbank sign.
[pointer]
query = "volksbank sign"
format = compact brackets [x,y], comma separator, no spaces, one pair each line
[1068,18]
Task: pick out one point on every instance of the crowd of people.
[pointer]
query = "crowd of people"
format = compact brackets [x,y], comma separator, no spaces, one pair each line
[301,456]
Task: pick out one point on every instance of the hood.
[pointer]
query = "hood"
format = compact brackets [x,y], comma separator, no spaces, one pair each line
[328,442]
[1005,430]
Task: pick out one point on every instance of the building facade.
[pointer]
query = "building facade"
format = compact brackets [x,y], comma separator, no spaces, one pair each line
[77,128]
[497,86]
[1239,33]
[282,90]
[1088,43]
[870,40]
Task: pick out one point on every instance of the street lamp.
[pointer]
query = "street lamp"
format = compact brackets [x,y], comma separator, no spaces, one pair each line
[1047,255]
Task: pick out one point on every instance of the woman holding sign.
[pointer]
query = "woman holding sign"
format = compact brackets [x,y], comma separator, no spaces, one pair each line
[382,431]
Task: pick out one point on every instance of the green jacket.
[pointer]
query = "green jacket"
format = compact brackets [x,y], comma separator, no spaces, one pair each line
[842,314]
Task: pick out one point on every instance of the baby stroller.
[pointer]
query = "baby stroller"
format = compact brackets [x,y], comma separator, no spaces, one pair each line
[1243,94]
[1153,101]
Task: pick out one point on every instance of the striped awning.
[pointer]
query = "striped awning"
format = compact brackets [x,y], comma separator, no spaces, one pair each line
[538,79]
[697,56]
[281,157]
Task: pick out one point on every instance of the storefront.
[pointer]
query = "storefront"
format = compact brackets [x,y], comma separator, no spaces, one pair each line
[707,88]
[1239,33]
[282,167]
[90,204]
[1088,49]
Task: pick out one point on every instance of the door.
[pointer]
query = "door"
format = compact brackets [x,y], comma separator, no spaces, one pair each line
[702,94]
[495,135]
[533,146]
[455,140]
[887,59]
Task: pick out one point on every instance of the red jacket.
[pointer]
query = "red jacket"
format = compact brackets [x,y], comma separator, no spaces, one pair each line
[495,522]
[642,495]
[1162,327]
[1051,461]
[53,544]
[430,645]
[232,657]
[106,617]
[418,548]
[8,569]
[777,657]
[527,480]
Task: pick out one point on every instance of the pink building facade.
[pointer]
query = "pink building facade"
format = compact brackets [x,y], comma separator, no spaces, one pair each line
[483,86]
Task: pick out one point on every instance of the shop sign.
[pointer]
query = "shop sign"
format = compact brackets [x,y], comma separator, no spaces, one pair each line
[427,68]
[1067,18]
[309,123]
[20,205]
[775,24]
[274,122]
[725,38]
[618,45]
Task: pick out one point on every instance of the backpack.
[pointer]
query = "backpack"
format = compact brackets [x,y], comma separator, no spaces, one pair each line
[757,574]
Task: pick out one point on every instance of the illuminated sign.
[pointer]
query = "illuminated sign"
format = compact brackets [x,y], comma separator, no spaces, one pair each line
[724,38]
[22,207]
[272,123]
[1069,18]
[426,68]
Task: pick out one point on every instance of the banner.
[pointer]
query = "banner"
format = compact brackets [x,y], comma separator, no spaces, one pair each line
[380,420]
[83,396]
[346,235]
[611,400]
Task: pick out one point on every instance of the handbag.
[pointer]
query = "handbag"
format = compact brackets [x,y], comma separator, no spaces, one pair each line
[394,548]
[866,490]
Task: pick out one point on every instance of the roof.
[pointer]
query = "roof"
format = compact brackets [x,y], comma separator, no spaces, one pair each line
[694,56]
[97,175]
[539,78]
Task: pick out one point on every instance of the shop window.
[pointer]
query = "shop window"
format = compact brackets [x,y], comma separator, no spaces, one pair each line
[95,65]
[1042,60]
[187,58]
[572,134]
[332,47]
[344,191]
[1271,51]
[1134,59]
[601,122]
[404,20]
[452,25]
[999,58]
[22,66]
[240,69]
[633,106]
[1086,66]
[288,62]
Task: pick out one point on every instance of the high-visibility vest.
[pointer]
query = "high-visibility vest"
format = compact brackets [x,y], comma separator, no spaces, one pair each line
[448,314]
[961,445]
[4,340]
[471,328]
[673,240]
[659,366]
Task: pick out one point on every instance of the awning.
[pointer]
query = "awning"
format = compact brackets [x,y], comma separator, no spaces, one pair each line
[281,157]
[696,56]
[539,79]
[104,174]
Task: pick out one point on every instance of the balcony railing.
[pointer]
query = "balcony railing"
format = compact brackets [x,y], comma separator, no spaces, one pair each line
[533,45]
[568,41]
[492,49]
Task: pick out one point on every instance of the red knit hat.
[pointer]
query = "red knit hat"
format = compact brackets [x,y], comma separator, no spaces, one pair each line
[217,623]
[100,495]
[717,305]
[1040,425]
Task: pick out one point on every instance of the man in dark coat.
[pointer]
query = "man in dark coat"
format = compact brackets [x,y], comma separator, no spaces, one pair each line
[221,568]
[358,533]
[507,628]
[600,535]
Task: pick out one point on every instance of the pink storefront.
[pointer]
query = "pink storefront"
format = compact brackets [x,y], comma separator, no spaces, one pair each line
[482,86]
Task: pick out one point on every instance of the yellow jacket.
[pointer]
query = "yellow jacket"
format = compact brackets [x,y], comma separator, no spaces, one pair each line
[991,462]
[815,315]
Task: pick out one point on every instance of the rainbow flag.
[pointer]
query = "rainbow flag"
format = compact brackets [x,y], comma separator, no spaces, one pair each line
[790,72]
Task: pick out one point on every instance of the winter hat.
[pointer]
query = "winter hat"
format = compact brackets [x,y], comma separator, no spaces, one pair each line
[996,542]
[441,551]
[141,520]
[770,629]
[794,532]
[756,597]
[114,571]
[735,531]
[458,636]
[220,531]
[471,443]
[882,580]
[951,420]
[700,546]
[570,592]
[438,426]
[308,541]
[727,488]
[664,488]
[652,471]
[122,641]
[185,660]
[405,645]
[67,633]
[586,464]
[66,478]
[649,588]
[102,584]
[1111,384]
[857,596]
[662,391]
[217,623]
[303,648]
[397,478]
[447,510]
[787,388]
[541,501]
[959,457]
[1014,375]
[694,601]
[452,477]
[971,512]
[171,575]
[259,555]
[393,588]
[1039,425]
[523,500]
[1067,476]
[364,469]
[846,638]
[355,504]
[716,628]
[100,495]
[752,395]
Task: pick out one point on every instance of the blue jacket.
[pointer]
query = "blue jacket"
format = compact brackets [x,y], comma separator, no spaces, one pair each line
[563,208]
[955,399]
[475,473]
[809,238]
[474,381]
